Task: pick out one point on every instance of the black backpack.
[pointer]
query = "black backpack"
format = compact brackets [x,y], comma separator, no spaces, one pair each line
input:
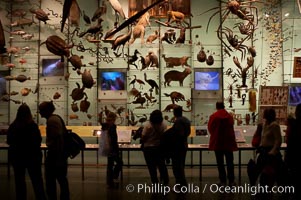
[73,143]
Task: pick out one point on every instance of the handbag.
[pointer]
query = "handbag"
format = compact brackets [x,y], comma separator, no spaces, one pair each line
[104,143]
[73,143]
[257,136]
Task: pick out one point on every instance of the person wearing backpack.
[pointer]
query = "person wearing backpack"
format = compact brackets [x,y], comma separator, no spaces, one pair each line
[56,164]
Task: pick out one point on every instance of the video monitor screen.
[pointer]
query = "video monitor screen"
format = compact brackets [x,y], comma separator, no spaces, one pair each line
[3,85]
[207,81]
[52,67]
[294,95]
[112,80]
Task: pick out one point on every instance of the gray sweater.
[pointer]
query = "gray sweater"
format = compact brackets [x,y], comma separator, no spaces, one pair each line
[151,134]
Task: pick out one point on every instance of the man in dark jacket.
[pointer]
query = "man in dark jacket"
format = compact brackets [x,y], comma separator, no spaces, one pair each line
[176,140]
[222,141]
[56,163]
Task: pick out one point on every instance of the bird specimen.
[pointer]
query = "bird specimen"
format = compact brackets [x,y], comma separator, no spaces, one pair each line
[99,12]
[93,29]
[110,31]
[152,83]
[86,18]
[118,9]
[121,40]
[133,58]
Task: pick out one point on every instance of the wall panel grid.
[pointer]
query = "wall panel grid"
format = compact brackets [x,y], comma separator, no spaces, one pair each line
[177,53]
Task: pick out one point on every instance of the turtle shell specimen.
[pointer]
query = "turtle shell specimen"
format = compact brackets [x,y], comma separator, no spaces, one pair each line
[57,46]
[78,93]
[76,61]
[87,79]
[40,14]
[74,107]
[84,105]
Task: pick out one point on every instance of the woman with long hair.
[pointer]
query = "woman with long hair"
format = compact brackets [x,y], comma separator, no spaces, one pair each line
[24,140]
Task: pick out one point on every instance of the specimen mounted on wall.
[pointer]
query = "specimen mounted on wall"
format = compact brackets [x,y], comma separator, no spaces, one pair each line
[297,67]
[160,10]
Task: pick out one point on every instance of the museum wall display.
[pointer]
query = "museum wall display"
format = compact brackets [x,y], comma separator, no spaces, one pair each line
[131,57]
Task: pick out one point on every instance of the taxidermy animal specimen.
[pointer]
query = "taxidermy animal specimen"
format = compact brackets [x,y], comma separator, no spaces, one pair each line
[243,72]
[22,22]
[139,28]
[152,83]
[244,11]
[99,12]
[2,39]
[66,12]
[40,14]
[150,99]
[87,79]
[118,9]
[175,61]
[201,56]
[74,14]
[136,80]
[233,41]
[176,16]
[154,61]
[181,38]
[86,18]
[93,29]
[139,100]
[174,75]
[78,93]
[109,32]
[152,37]
[17,13]
[133,18]
[237,8]
[57,46]
[20,78]
[121,40]
[169,36]
[76,62]
[175,96]
[133,58]
[170,107]
[145,62]
[210,60]
[84,105]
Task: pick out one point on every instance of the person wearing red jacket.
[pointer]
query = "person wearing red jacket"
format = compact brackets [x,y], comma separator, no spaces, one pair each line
[222,142]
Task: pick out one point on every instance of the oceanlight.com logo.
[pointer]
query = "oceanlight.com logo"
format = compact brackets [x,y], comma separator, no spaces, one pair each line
[211,188]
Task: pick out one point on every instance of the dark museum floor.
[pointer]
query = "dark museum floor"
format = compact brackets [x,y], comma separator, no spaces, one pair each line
[94,187]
